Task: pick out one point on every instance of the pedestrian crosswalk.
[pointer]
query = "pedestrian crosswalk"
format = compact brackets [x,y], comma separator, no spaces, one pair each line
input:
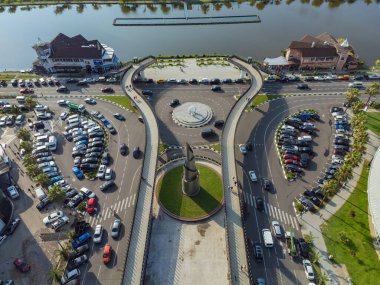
[273,211]
[109,211]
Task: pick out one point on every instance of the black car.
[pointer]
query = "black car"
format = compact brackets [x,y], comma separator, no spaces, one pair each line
[293,168]
[287,142]
[339,152]
[215,81]
[266,184]
[78,153]
[239,81]
[308,78]
[136,152]
[303,248]
[302,86]
[303,143]
[106,185]
[193,81]
[174,103]
[304,160]
[336,109]
[82,83]
[42,204]
[72,80]
[96,135]
[90,160]
[71,193]
[358,77]
[342,142]
[218,123]
[258,252]
[259,203]
[94,149]
[123,149]
[96,143]
[118,116]
[315,201]
[291,151]
[88,166]
[318,192]
[216,88]
[342,147]
[308,193]
[306,149]
[12,226]
[228,81]
[248,146]
[147,92]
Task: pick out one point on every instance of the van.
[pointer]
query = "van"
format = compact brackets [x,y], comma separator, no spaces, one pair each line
[73,121]
[20,99]
[73,117]
[81,108]
[207,132]
[267,236]
[43,148]
[20,119]
[52,143]
[43,138]
[40,193]
[305,138]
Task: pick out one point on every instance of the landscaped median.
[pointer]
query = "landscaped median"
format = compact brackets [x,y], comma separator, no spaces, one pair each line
[121,100]
[260,99]
[348,237]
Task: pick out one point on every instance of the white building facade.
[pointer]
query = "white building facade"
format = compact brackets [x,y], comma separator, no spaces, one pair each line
[72,55]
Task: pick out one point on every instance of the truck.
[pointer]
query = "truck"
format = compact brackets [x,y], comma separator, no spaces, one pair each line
[76,108]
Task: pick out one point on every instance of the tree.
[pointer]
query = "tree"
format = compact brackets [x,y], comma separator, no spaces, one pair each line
[27,145]
[30,103]
[62,252]
[372,90]
[42,179]
[23,134]
[56,194]
[357,107]
[33,170]
[15,109]
[323,278]
[55,274]
[82,207]
[352,96]
[29,159]
[315,257]
[71,235]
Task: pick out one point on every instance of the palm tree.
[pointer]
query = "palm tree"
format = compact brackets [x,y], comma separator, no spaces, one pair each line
[29,159]
[55,274]
[323,278]
[27,145]
[15,109]
[352,96]
[33,170]
[62,252]
[316,257]
[372,90]
[357,107]
[42,179]
[23,134]
[71,235]
[56,194]
[30,103]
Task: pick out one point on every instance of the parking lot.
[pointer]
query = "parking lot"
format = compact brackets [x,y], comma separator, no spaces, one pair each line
[119,200]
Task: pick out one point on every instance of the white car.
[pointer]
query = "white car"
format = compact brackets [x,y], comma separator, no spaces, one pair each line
[308,269]
[108,174]
[2,239]
[243,148]
[252,176]
[3,121]
[52,217]
[59,183]
[64,115]
[45,115]
[61,102]
[87,192]
[41,108]
[13,192]
[98,234]
[43,159]
[60,222]
[101,171]
[276,229]
[90,101]
[373,76]
[46,164]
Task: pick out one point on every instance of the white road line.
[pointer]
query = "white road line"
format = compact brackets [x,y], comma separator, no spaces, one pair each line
[287,218]
[271,211]
[118,206]
[134,199]
[253,202]
[129,202]
[244,197]
[276,213]
[283,216]
[296,223]
[106,212]
[122,205]
[126,203]
[292,223]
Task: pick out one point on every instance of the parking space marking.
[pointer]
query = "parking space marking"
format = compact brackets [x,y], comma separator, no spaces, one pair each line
[126,203]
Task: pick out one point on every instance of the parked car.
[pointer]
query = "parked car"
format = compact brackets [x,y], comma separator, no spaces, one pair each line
[21,265]
[115,229]
[136,152]
[107,90]
[59,223]
[80,260]
[174,103]
[98,234]
[43,203]
[91,206]
[71,275]
[107,253]
[12,226]
[119,116]
[52,217]
[308,269]
[106,185]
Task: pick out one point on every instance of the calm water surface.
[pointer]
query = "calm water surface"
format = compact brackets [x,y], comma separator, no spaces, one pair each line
[280,24]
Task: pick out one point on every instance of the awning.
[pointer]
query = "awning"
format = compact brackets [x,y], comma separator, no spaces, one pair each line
[276,61]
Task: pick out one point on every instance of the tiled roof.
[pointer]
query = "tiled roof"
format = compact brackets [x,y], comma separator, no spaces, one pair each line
[63,46]
[319,52]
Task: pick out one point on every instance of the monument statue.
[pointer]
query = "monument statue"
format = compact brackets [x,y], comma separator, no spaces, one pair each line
[190,177]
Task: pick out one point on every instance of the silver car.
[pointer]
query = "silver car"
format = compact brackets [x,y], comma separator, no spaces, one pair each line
[116,227]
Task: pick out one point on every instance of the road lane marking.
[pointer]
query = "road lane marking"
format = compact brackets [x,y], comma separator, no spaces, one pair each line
[253,201]
[122,205]
[129,203]
[126,203]
[118,206]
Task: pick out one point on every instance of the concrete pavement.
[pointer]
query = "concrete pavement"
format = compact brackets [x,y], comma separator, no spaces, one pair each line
[235,235]
[311,223]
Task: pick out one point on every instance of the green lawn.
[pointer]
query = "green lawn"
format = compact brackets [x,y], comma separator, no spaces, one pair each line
[217,147]
[373,122]
[9,75]
[358,255]
[121,100]
[210,196]
[261,98]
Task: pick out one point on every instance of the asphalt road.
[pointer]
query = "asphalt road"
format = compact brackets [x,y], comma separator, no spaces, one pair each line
[314,87]
[122,199]
[220,103]
[259,127]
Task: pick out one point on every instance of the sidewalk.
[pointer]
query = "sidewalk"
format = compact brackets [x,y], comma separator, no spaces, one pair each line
[311,223]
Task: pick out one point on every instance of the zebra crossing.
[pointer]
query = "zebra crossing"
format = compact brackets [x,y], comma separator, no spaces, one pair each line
[108,212]
[273,211]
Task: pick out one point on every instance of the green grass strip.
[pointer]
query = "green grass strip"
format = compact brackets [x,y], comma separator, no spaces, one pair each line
[351,222]
[121,100]
[373,122]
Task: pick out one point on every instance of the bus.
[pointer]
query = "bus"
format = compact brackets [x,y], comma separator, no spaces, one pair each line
[76,108]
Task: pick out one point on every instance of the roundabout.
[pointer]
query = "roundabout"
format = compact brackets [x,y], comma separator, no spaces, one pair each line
[192,115]
[183,207]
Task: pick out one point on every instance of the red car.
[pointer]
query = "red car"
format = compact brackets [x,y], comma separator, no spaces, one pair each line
[290,156]
[107,90]
[26,91]
[21,265]
[291,161]
[91,205]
